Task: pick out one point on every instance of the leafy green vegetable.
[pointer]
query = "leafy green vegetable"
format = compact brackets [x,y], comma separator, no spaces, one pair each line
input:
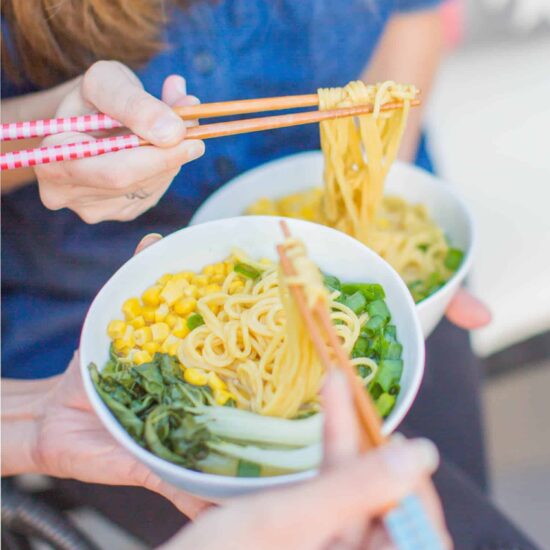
[453,259]
[194,320]
[247,271]
[181,423]
[130,421]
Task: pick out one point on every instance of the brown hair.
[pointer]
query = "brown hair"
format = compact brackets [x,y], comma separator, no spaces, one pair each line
[54,40]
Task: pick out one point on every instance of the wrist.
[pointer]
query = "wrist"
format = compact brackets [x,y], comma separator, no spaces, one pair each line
[23,405]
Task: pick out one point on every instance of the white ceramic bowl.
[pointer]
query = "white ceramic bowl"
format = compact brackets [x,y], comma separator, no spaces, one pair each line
[305,170]
[194,247]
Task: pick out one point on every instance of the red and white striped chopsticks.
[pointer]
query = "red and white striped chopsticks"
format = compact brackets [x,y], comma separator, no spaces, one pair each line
[101,122]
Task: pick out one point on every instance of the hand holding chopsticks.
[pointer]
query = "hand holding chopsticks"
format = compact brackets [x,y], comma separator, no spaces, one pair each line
[99,122]
[407,522]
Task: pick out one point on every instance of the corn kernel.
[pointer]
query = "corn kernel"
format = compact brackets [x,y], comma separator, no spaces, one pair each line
[191,291]
[140,357]
[236,286]
[208,270]
[143,335]
[161,313]
[173,290]
[201,292]
[220,269]
[160,331]
[229,265]
[185,306]
[131,308]
[214,308]
[200,280]
[151,348]
[181,330]
[151,297]
[211,289]
[185,275]
[148,314]
[196,377]
[170,341]
[217,279]
[138,322]
[222,396]
[164,279]
[116,329]
[215,382]
[171,320]
[121,346]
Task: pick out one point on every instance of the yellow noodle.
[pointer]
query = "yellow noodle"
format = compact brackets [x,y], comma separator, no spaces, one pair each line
[255,341]
[358,153]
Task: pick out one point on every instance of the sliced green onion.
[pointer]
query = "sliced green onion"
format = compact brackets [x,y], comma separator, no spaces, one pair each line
[194,320]
[374,324]
[389,373]
[248,469]
[384,404]
[361,347]
[453,259]
[356,302]
[247,271]
[379,307]
[390,332]
[393,350]
[332,283]
[371,291]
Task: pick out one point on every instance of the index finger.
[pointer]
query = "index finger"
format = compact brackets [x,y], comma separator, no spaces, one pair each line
[115,90]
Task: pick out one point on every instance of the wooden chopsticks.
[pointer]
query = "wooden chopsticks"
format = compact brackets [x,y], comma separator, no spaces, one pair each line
[317,321]
[100,122]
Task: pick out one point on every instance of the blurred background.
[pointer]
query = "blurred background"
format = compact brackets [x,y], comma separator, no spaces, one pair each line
[488,126]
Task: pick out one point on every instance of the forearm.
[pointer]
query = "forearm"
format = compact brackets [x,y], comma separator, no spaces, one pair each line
[409,52]
[34,106]
[22,405]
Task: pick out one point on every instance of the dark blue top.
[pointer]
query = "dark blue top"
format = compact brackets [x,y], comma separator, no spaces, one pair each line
[53,263]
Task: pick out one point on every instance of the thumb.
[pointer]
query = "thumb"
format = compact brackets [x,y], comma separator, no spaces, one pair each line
[467,312]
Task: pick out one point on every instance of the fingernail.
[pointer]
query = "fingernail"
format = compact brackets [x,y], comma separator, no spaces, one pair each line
[167,128]
[192,100]
[195,149]
[407,458]
[334,377]
[148,240]
[181,85]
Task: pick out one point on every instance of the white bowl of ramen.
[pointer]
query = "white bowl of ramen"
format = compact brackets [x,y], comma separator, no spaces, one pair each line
[303,171]
[194,247]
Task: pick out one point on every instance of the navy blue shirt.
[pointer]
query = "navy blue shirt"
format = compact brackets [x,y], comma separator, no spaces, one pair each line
[53,263]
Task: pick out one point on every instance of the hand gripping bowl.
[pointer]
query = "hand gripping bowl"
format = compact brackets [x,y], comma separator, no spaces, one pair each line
[194,247]
[305,170]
